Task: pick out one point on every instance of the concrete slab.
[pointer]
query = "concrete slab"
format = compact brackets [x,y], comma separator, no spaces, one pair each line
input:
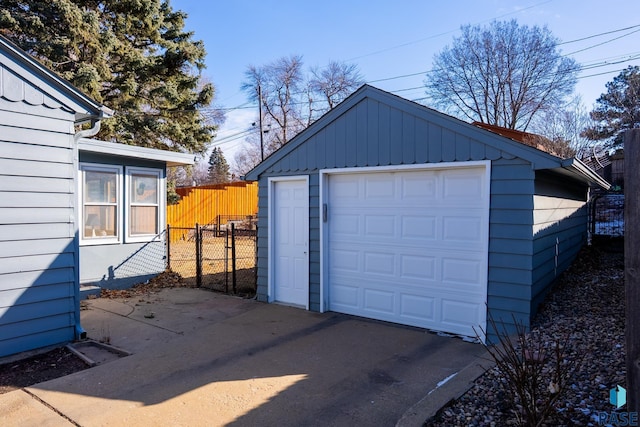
[208,359]
[19,409]
[136,324]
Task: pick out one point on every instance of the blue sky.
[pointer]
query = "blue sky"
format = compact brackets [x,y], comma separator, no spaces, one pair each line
[388,39]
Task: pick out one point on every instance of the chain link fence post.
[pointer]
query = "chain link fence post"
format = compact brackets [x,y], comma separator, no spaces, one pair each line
[168,254]
[198,256]
[233,257]
[255,261]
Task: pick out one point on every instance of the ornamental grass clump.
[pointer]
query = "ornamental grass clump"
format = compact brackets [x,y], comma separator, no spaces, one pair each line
[535,371]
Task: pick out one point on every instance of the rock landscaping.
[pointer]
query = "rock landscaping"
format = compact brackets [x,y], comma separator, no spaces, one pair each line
[585,312]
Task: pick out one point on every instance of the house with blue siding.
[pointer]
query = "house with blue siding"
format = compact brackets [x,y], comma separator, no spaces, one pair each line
[122,211]
[72,210]
[387,209]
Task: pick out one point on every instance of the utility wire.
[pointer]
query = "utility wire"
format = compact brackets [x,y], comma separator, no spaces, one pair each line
[603,43]
[599,34]
[252,104]
[443,33]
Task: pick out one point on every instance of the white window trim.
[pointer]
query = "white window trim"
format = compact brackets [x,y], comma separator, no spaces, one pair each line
[162,203]
[119,193]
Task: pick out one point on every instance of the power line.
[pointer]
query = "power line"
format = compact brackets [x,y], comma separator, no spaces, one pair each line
[252,105]
[603,43]
[598,35]
[443,33]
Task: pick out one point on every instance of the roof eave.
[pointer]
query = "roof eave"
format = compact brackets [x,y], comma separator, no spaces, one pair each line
[584,173]
[170,158]
[84,107]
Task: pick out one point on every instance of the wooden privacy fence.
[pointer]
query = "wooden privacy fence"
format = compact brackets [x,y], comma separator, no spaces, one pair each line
[207,203]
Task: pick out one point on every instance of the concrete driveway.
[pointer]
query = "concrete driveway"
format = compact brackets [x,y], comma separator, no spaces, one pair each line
[204,359]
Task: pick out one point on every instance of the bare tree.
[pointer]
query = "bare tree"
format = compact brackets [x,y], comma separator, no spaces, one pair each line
[247,158]
[276,86]
[291,101]
[503,74]
[564,127]
[187,176]
[335,82]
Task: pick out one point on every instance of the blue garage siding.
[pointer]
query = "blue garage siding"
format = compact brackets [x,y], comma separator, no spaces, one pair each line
[262,250]
[510,248]
[375,134]
[374,128]
[559,229]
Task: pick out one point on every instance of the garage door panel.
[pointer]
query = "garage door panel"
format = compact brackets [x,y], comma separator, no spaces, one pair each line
[458,314]
[417,307]
[344,298]
[466,228]
[418,227]
[344,189]
[419,189]
[379,263]
[461,271]
[380,225]
[379,301]
[409,247]
[345,224]
[462,185]
[345,260]
[379,187]
[417,266]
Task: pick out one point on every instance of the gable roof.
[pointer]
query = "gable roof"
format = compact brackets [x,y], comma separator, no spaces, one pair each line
[44,86]
[538,159]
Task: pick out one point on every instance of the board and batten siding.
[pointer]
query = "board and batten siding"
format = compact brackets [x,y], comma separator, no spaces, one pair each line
[374,133]
[38,246]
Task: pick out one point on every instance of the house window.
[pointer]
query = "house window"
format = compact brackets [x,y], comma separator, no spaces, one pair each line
[101,195]
[143,210]
[120,205]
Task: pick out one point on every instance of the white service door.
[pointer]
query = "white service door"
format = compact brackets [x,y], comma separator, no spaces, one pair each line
[291,242]
[410,247]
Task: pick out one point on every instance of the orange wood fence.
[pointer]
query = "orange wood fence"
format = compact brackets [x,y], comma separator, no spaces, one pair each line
[203,204]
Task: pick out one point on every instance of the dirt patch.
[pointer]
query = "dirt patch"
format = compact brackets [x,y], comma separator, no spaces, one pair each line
[61,361]
[39,368]
[168,279]
[216,255]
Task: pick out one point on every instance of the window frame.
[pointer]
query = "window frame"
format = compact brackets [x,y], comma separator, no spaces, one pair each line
[129,172]
[108,240]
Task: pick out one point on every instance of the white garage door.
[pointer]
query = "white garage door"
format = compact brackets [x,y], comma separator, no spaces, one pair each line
[410,247]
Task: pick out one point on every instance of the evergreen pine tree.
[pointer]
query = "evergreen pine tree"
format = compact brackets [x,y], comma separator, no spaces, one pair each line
[218,167]
[131,55]
[617,110]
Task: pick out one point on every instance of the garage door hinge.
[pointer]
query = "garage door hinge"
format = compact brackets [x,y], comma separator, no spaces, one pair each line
[324,212]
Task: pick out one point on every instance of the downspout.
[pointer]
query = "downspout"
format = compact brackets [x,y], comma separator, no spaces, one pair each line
[79,332]
[87,133]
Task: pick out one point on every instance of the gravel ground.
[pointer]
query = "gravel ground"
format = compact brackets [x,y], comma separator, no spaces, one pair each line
[586,307]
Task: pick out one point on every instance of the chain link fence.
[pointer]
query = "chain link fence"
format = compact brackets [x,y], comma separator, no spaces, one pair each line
[606,214]
[221,257]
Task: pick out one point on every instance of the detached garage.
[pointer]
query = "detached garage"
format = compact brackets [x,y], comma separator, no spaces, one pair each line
[389,210]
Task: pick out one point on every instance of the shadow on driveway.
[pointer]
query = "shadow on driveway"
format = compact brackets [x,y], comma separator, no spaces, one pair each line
[209,359]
